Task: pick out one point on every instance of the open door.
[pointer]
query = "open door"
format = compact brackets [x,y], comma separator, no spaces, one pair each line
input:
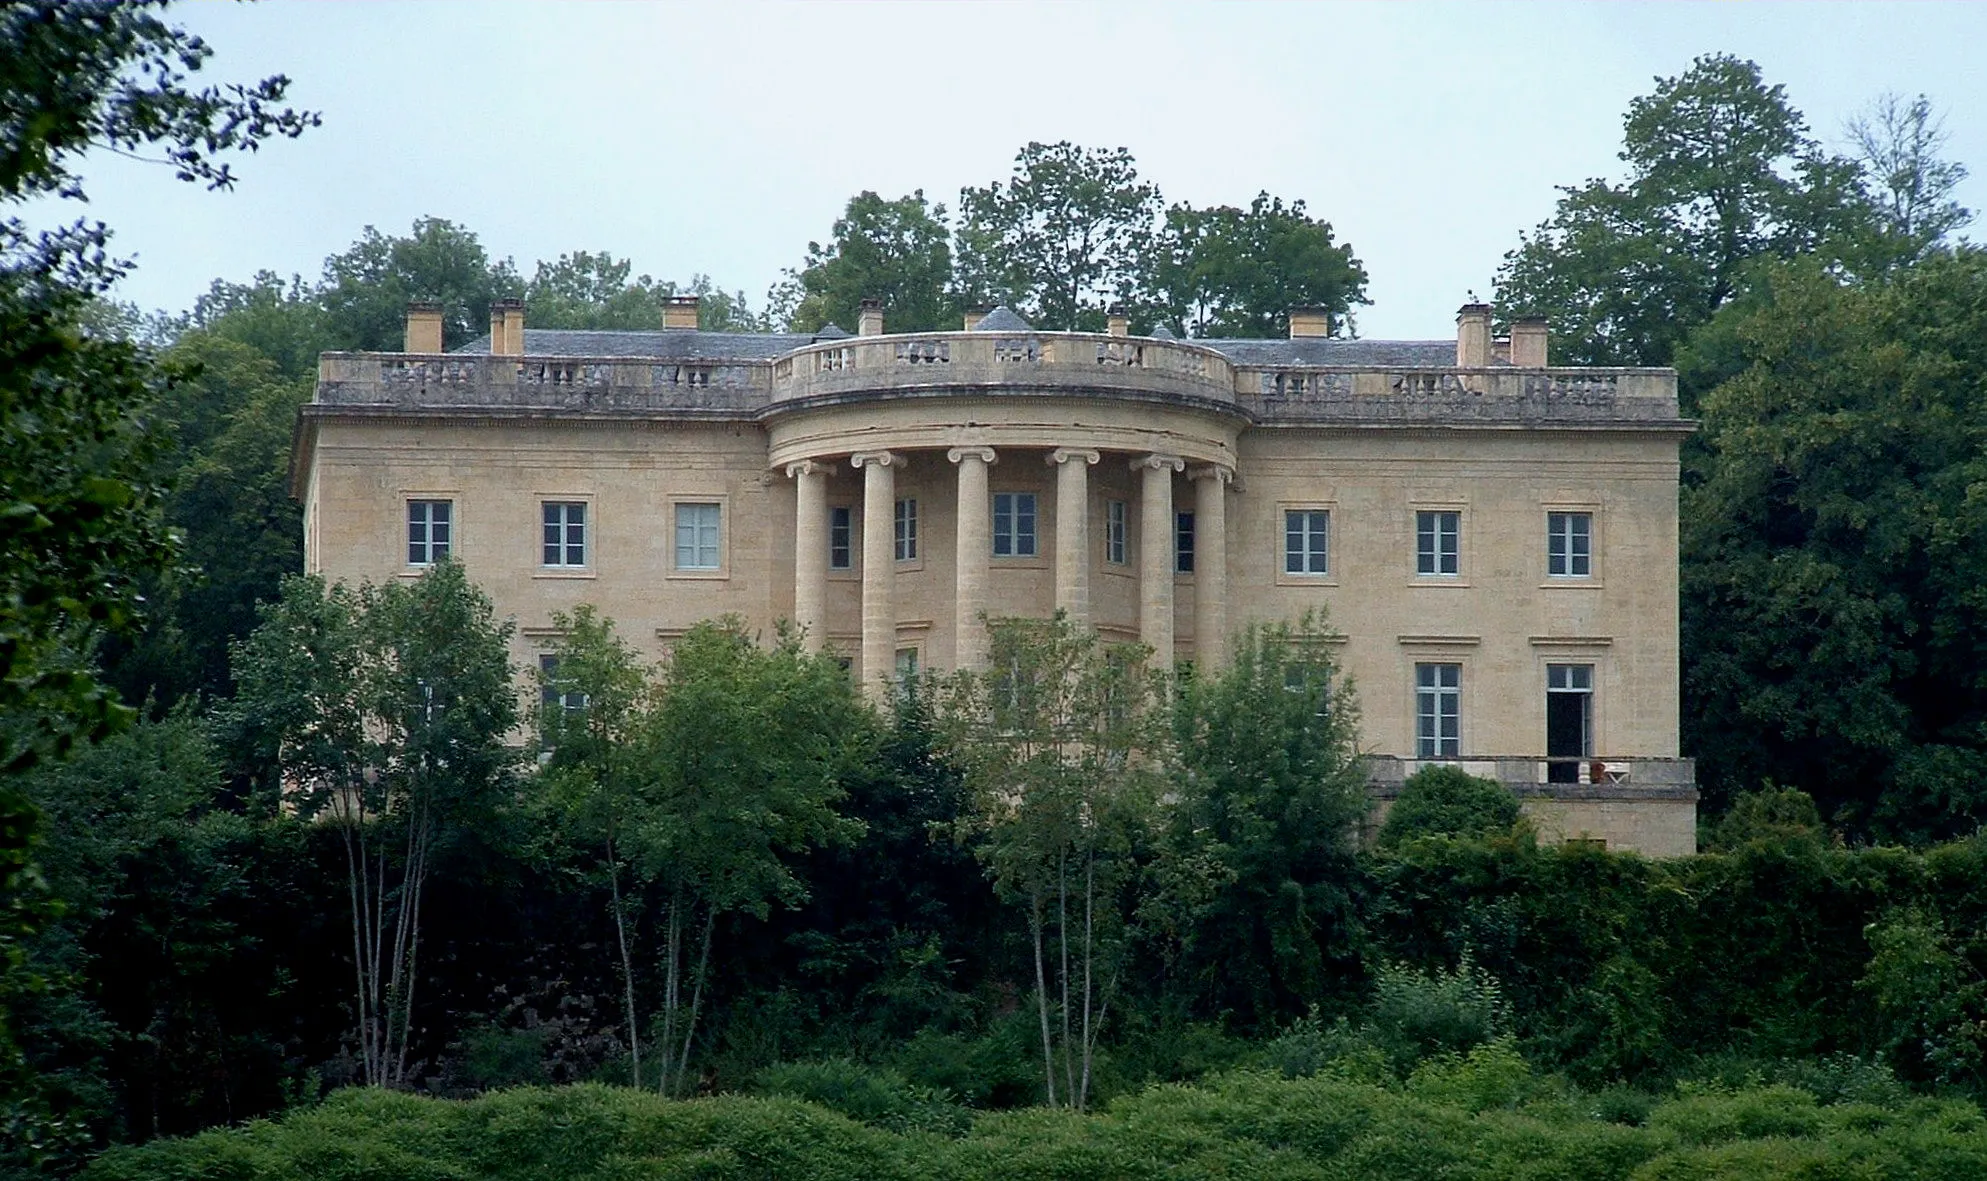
[1569,720]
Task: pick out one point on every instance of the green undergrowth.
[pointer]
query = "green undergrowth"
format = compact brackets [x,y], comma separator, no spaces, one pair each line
[1484,1114]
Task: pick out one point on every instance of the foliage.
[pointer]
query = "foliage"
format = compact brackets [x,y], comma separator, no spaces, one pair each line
[1721,173]
[1442,800]
[897,252]
[1899,143]
[367,288]
[880,1098]
[1270,788]
[592,291]
[1224,271]
[1059,240]
[1773,815]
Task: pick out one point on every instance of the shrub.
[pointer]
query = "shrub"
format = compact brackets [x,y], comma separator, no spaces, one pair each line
[1448,801]
[1416,1014]
[881,1098]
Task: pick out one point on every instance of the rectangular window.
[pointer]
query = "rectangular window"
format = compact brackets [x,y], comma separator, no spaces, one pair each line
[1307,541]
[907,530]
[841,531]
[565,533]
[1438,543]
[907,665]
[1569,545]
[1183,543]
[428,531]
[697,537]
[1114,531]
[553,693]
[1569,720]
[1014,525]
[1438,711]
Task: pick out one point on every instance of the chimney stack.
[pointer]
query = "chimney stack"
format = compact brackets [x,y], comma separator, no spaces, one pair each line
[973,318]
[424,328]
[512,311]
[1116,322]
[1310,321]
[869,321]
[1473,336]
[1528,343]
[680,311]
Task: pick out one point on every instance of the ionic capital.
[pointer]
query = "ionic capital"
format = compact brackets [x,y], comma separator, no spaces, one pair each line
[1218,472]
[1157,461]
[879,458]
[1062,455]
[983,454]
[809,467]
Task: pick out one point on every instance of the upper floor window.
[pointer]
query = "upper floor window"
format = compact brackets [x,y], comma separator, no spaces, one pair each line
[907,530]
[697,536]
[841,534]
[429,531]
[1307,541]
[1114,531]
[1183,543]
[554,691]
[1569,545]
[1014,524]
[565,533]
[1438,711]
[1438,543]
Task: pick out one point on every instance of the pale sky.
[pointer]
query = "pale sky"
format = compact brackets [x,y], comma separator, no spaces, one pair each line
[721,138]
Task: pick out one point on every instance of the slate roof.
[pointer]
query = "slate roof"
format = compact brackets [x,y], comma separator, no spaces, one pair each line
[1002,319]
[1379,354]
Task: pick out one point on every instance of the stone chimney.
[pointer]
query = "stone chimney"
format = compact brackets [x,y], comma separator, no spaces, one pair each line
[869,320]
[513,312]
[1116,322]
[1308,322]
[424,328]
[973,317]
[1528,343]
[1473,336]
[680,311]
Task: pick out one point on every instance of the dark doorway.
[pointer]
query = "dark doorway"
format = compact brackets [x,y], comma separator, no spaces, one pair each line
[1569,720]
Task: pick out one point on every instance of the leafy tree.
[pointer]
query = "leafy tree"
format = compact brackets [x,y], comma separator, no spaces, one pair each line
[593,291]
[1448,801]
[367,288]
[1270,789]
[1060,239]
[894,251]
[739,759]
[283,321]
[1721,173]
[384,712]
[1831,549]
[1064,743]
[1899,143]
[1224,271]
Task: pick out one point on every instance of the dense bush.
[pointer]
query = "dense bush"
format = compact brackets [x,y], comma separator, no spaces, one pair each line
[1450,802]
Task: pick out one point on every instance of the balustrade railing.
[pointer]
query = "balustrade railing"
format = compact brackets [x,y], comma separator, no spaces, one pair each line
[1625,775]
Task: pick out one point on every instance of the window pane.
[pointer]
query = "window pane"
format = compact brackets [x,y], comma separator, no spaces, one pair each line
[697,537]
[1024,524]
[1003,524]
[839,541]
[1183,543]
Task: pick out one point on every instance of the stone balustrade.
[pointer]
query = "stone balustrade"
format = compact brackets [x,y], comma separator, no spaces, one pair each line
[1588,777]
[1532,397]
[618,385]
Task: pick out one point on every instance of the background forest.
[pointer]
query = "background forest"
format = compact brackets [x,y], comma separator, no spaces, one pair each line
[729,874]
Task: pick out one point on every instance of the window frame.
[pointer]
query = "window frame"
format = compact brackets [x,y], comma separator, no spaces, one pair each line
[1553,537]
[1431,742]
[904,530]
[1428,526]
[1323,553]
[565,544]
[1117,530]
[450,546]
[677,504]
[1013,535]
[847,527]
[1186,536]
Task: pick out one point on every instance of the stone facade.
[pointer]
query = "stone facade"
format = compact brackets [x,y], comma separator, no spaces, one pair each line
[1496,541]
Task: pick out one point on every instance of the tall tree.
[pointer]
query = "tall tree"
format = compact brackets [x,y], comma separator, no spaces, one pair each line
[1226,272]
[1064,745]
[1060,239]
[282,320]
[1721,173]
[384,712]
[894,251]
[593,291]
[1900,143]
[366,288]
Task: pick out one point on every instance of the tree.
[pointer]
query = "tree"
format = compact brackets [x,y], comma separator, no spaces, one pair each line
[894,251]
[1832,549]
[1226,272]
[1721,173]
[1899,143]
[1270,789]
[738,762]
[367,288]
[593,291]
[384,712]
[1064,746]
[1061,239]
[1448,802]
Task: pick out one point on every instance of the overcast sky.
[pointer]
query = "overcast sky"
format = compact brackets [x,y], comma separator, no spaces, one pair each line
[722,138]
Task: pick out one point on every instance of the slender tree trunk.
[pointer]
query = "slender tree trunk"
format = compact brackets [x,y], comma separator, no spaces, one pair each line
[355,874]
[1062,947]
[1042,993]
[413,978]
[1089,958]
[627,970]
[696,999]
[671,988]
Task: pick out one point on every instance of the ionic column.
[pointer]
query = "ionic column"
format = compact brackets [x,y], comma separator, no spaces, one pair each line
[1211,566]
[1073,531]
[1155,553]
[879,569]
[973,545]
[810,550]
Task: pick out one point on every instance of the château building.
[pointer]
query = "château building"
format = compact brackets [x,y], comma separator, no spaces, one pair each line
[1495,538]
